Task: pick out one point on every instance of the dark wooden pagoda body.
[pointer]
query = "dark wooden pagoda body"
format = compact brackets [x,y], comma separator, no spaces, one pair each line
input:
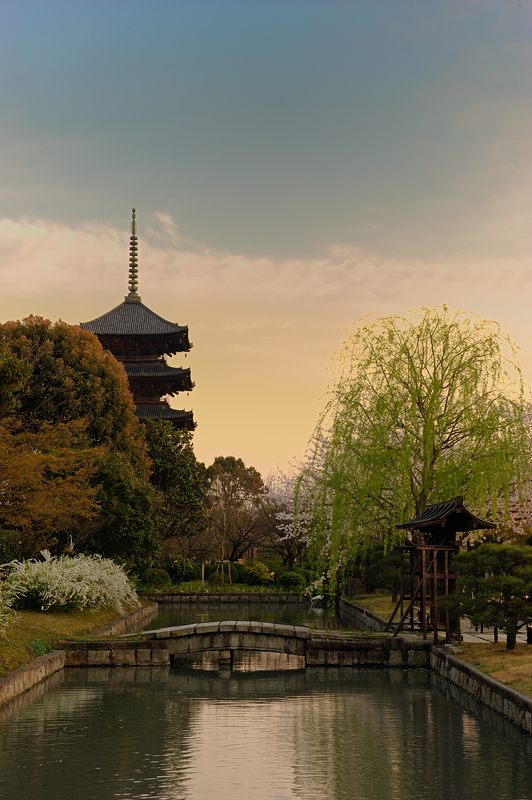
[140,339]
[427,575]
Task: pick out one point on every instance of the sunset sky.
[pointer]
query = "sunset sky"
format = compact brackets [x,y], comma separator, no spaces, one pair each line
[295,165]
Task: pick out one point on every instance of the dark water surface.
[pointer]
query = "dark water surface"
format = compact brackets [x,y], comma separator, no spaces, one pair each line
[323,734]
[287,613]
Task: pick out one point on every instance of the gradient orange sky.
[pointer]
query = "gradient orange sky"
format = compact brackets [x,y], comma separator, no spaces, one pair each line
[295,166]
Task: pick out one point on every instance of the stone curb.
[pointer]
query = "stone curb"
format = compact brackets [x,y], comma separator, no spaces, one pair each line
[508,702]
[247,597]
[366,619]
[24,678]
[116,654]
[129,622]
[27,676]
[513,705]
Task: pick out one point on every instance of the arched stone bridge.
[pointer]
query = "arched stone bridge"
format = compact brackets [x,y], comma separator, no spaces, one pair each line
[225,643]
[229,644]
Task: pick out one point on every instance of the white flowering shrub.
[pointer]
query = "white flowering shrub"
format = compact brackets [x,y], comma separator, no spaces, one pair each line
[8,596]
[79,582]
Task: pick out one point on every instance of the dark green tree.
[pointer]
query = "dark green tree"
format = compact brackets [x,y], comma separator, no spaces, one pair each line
[182,483]
[494,587]
[126,527]
[62,373]
[14,377]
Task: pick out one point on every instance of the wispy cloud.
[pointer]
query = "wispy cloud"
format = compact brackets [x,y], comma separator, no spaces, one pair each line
[264,329]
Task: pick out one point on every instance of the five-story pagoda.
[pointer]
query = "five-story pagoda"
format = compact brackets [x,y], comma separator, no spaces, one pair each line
[141,339]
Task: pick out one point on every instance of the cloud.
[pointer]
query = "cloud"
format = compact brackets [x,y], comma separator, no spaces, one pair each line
[264,329]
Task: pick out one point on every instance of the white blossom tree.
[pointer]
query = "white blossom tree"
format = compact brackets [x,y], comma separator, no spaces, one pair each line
[287,527]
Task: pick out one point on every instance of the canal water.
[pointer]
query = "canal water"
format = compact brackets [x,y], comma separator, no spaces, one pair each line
[287,613]
[323,734]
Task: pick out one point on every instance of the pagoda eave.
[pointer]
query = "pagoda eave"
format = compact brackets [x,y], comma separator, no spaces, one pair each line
[131,347]
[162,411]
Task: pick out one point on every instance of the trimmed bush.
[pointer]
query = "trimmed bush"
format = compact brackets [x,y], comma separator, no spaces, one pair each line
[238,573]
[291,580]
[157,578]
[39,648]
[258,574]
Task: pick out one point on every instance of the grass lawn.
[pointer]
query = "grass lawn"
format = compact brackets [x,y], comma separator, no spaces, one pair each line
[511,667]
[379,604]
[33,633]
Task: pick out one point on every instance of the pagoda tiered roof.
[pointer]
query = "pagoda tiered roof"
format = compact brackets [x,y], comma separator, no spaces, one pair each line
[157,369]
[133,318]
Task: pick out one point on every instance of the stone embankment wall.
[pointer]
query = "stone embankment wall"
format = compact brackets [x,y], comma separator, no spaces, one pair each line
[320,650]
[506,701]
[336,651]
[116,654]
[217,599]
[29,675]
[130,623]
[361,617]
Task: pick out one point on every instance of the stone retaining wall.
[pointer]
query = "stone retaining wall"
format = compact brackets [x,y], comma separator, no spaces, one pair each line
[129,623]
[373,652]
[29,675]
[363,619]
[321,650]
[511,704]
[216,599]
[506,701]
[115,654]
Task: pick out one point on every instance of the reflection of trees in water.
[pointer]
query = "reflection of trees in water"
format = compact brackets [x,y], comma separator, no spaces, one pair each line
[335,734]
[390,736]
[339,740]
[110,737]
[375,735]
[288,613]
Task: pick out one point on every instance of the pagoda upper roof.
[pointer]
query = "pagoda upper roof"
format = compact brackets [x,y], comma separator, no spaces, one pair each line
[451,514]
[132,318]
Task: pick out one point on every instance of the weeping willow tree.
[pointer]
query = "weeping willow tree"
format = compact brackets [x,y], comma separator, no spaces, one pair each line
[425,408]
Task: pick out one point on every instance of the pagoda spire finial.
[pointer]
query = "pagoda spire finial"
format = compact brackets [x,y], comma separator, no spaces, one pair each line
[133,284]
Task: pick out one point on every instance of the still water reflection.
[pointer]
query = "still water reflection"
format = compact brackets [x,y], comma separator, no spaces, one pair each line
[318,735]
[287,613]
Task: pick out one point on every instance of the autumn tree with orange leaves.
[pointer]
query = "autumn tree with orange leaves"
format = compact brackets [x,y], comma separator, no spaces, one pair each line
[66,418]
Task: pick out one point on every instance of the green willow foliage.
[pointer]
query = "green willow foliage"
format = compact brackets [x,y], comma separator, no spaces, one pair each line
[425,409]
